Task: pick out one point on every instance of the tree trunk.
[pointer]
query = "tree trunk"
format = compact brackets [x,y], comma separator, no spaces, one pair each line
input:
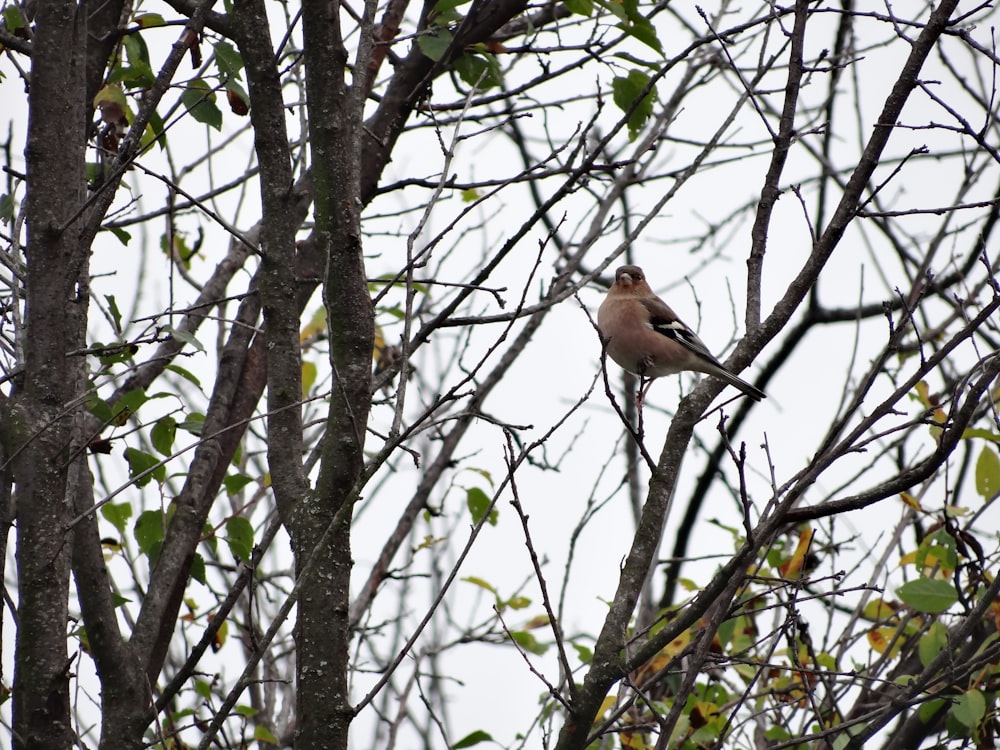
[40,431]
[320,525]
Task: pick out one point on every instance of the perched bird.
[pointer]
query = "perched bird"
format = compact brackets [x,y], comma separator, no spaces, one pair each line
[645,337]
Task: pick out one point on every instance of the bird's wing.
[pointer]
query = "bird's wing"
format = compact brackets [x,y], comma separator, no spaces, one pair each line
[664,321]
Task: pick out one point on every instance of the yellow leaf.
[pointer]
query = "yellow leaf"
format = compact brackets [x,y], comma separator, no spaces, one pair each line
[880,638]
[877,639]
[878,610]
[663,657]
[634,740]
[379,344]
[703,713]
[910,500]
[308,377]
[910,558]
[987,473]
[924,393]
[429,541]
[606,706]
[221,635]
[539,621]
[316,325]
[793,566]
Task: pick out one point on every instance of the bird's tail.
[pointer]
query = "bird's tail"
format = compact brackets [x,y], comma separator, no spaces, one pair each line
[752,391]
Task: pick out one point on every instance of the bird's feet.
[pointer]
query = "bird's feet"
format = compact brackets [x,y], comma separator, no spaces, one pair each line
[640,395]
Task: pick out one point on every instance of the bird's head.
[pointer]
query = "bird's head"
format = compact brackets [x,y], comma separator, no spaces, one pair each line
[627,277]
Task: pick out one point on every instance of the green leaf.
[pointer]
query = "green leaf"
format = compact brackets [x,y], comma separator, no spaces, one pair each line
[483,584]
[583,653]
[99,407]
[117,514]
[6,208]
[826,660]
[473,738]
[528,642]
[239,537]
[175,246]
[434,45]
[118,600]
[928,710]
[194,423]
[228,60]
[245,710]
[141,71]
[154,554]
[116,314]
[111,95]
[642,30]
[177,716]
[938,551]
[198,569]
[726,631]
[186,374]
[580,7]
[235,482]
[969,708]
[443,6]
[633,60]
[978,432]
[112,354]
[203,688]
[263,734]
[987,473]
[842,740]
[479,503]
[199,100]
[150,20]
[483,72]
[185,337]
[93,171]
[626,92]
[632,12]
[120,234]
[616,8]
[928,594]
[12,18]
[209,539]
[162,435]
[144,466]
[130,403]
[777,733]
[156,131]
[149,137]
[932,643]
[148,530]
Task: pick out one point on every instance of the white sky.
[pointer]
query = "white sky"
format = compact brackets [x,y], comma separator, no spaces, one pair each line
[563,358]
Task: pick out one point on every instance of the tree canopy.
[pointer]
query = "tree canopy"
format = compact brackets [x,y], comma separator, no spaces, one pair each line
[308,437]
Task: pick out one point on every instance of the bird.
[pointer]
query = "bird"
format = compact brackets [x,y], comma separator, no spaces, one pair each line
[645,337]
